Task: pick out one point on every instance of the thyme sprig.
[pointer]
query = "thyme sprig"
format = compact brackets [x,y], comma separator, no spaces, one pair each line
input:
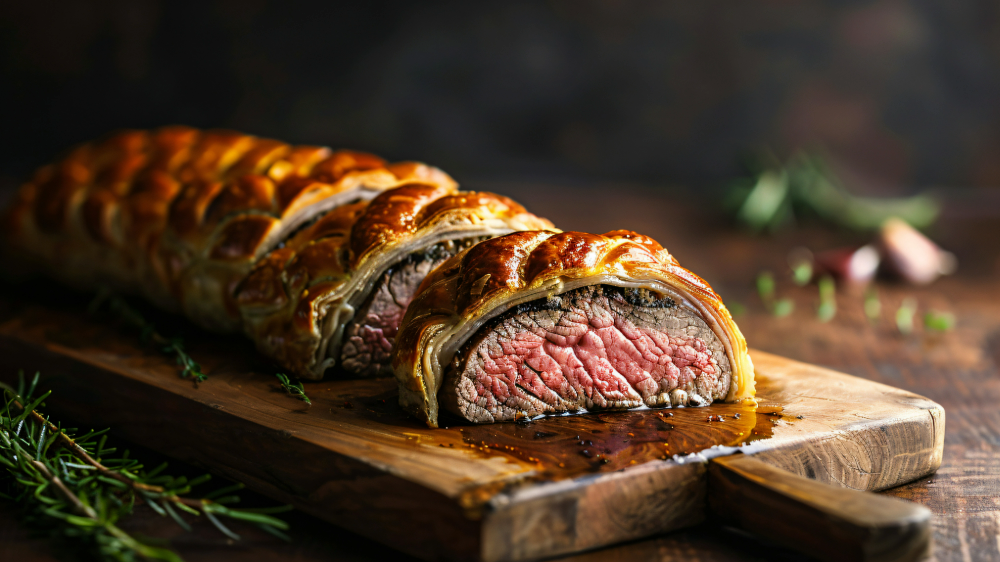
[77,489]
[293,388]
[147,333]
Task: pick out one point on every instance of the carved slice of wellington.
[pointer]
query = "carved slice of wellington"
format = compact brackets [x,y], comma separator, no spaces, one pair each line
[369,336]
[334,294]
[537,323]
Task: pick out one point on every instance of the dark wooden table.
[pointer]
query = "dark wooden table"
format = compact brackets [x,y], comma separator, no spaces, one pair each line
[958,369]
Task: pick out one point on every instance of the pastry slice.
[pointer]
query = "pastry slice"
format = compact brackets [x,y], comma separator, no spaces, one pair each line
[335,293]
[542,323]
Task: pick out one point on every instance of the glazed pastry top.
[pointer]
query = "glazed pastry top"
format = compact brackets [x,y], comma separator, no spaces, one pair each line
[145,211]
[495,275]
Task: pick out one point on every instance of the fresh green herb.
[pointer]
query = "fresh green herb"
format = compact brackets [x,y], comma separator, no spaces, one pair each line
[77,489]
[904,315]
[802,273]
[765,287]
[806,186]
[873,306]
[147,333]
[766,290]
[783,307]
[293,388]
[764,204]
[801,260]
[827,299]
[938,321]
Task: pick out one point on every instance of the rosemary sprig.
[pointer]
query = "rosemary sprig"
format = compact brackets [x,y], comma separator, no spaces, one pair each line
[293,388]
[76,488]
[147,333]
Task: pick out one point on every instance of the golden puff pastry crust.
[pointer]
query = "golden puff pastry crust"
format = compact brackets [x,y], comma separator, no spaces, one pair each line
[181,215]
[475,286]
[297,300]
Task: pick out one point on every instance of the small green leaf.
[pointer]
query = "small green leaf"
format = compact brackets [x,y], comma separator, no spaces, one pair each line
[83,521]
[227,500]
[827,288]
[113,482]
[218,525]
[765,287]
[199,480]
[904,315]
[783,307]
[938,321]
[257,518]
[802,273]
[177,518]
[873,306]
[153,504]
[180,505]
[827,299]
[826,311]
[157,470]
[34,384]
[762,207]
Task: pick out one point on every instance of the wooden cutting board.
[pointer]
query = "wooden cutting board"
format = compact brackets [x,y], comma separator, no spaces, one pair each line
[510,491]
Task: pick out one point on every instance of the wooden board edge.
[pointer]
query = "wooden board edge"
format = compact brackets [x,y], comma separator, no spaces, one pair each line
[594,511]
[913,443]
[909,448]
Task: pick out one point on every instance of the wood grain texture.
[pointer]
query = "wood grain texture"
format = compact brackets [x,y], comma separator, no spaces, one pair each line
[499,492]
[818,520]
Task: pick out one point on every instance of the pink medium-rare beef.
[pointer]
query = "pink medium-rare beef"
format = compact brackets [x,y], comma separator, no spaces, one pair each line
[542,322]
[368,338]
[596,347]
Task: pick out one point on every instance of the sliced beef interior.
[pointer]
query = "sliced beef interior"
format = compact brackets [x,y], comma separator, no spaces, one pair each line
[597,347]
[368,339]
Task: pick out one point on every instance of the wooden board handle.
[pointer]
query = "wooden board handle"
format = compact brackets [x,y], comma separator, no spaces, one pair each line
[814,518]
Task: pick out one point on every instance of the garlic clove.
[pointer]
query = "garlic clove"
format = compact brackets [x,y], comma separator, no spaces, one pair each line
[912,256]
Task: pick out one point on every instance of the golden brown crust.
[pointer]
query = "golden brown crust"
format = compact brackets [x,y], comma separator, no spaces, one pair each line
[181,215]
[296,301]
[497,274]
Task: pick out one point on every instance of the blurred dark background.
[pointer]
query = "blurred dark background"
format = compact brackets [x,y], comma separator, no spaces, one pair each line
[629,106]
[903,94]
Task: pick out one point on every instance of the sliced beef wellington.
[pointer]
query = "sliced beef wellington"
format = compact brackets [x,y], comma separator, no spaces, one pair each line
[181,215]
[335,293]
[537,323]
